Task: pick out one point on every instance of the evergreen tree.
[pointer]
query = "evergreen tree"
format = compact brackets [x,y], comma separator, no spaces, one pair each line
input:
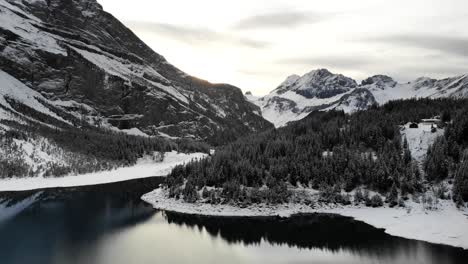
[392,198]
[437,161]
[406,152]
[461,181]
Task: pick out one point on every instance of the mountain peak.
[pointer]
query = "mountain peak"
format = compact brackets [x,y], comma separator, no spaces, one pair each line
[320,83]
[291,79]
[319,73]
[379,81]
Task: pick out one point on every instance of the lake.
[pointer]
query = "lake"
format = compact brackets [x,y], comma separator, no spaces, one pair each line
[105,225]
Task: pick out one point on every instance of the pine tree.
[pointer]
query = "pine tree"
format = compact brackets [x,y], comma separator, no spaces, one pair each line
[461,181]
[392,198]
[406,152]
[437,163]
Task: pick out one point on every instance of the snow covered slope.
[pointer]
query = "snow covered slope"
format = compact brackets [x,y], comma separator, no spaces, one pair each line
[13,91]
[74,51]
[145,167]
[320,89]
[384,91]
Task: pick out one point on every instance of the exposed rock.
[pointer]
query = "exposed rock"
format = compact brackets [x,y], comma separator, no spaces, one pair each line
[74,50]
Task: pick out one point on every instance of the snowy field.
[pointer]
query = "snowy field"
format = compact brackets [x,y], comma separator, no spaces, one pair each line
[444,225]
[143,169]
[420,139]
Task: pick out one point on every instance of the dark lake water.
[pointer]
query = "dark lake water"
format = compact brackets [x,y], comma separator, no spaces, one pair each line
[104,225]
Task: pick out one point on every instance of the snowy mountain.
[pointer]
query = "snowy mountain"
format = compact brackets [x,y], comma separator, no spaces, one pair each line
[72,55]
[320,89]
[319,83]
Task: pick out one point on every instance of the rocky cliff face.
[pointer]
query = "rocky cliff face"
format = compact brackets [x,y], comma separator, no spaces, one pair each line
[320,89]
[73,51]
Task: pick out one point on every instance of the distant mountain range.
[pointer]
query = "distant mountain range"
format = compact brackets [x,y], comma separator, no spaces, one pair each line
[320,89]
[75,59]
[72,57]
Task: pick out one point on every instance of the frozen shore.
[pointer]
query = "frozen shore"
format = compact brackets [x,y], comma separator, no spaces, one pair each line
[444,225]
[144,168]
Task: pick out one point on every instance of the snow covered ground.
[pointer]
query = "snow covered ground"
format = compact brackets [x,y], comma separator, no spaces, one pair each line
[144,168]
[274,112]
[420,139]
[444,225]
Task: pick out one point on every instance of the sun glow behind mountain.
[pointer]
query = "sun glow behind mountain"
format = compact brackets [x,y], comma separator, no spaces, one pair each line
[256,44]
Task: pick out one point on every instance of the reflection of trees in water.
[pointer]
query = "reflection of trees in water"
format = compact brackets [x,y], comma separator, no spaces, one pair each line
[320,231]
[67,223]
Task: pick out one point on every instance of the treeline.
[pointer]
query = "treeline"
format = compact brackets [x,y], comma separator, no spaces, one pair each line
[330,151]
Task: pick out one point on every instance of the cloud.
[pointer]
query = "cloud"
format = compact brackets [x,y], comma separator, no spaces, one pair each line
[333,61]
[447,44]
[263,72]
[194,35]
[398,68]
[278,19]
[433,70]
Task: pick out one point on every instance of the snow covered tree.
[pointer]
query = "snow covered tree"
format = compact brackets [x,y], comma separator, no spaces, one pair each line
[461,181]
[190,192]
[437,161]
[406,152]
[392,198]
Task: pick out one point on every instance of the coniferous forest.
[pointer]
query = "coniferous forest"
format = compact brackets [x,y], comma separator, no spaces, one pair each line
[333,151]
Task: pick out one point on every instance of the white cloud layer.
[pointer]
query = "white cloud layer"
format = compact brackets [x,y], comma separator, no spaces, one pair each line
[256,44]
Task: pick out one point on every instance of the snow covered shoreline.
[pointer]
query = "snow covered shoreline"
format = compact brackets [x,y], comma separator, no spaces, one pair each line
[143,169]
[446,225]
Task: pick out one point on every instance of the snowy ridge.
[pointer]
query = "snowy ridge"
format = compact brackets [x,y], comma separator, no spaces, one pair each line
[298,96]
[10,88]
[25,29]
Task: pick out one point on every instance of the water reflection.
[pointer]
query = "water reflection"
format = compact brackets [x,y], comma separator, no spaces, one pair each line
[328,233]
[102,225]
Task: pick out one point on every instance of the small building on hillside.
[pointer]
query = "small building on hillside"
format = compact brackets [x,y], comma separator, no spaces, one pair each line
[414,125]
[430,121]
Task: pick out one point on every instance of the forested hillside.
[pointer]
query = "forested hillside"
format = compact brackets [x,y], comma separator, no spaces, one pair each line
[36,144]
[334,152]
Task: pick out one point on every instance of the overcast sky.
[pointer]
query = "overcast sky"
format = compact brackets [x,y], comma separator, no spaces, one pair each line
[256,44]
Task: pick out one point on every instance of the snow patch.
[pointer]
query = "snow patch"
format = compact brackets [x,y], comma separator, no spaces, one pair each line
[26,30]
[135,132]
[14,89]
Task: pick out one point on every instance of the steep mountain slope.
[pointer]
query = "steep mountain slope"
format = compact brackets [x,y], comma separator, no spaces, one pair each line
[73,51]
[320,89]
[43,138]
